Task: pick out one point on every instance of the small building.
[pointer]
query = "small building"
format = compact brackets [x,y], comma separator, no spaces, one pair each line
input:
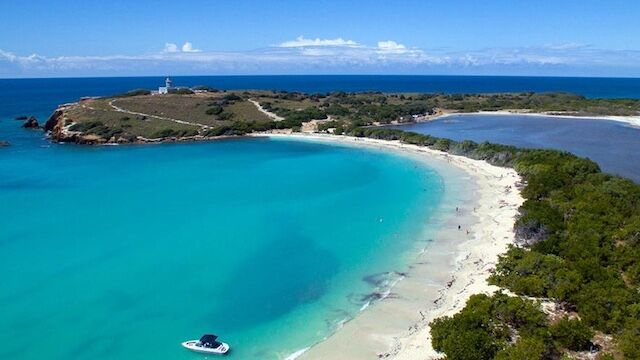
[168,86]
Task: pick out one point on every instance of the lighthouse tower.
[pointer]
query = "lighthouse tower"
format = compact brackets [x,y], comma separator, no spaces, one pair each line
[168,85]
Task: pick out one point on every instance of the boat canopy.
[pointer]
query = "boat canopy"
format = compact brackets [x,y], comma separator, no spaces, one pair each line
[209,340]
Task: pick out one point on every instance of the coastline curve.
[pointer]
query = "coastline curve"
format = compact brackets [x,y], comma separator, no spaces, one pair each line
[440,278]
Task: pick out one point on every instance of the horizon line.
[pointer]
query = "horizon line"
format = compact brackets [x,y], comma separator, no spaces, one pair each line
[323,75]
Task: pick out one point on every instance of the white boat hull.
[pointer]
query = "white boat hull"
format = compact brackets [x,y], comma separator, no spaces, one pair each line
[194,345]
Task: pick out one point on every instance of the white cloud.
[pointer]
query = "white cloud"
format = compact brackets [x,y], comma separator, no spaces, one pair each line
[5,55]
[330,56]
[170,48]
[314,51]
[391,46]
[565,46]
[301,41]
[188,47]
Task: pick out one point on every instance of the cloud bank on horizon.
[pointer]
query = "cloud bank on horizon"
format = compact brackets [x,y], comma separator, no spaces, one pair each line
[334,56]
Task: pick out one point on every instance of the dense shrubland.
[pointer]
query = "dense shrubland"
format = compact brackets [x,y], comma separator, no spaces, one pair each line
[367,108]
[136,92]
[543,102]
[97,128]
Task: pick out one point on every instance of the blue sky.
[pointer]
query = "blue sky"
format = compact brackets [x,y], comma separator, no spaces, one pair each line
[145,37]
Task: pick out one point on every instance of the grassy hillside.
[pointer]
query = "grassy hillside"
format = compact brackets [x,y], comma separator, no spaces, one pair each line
[126,118]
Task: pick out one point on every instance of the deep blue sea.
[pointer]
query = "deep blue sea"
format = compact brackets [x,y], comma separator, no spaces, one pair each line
[270,243]
[21,91]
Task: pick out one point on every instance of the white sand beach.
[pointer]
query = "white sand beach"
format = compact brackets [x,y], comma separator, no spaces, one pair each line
[442,277]
[629,120]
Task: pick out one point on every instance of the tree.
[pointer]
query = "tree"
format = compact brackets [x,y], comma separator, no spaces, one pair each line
[527,348]
[572,334]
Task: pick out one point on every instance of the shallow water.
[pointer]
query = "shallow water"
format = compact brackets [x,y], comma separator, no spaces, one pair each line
[615,146]
[124,252]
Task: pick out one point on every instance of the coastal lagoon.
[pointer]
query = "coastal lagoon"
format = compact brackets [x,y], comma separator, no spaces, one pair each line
[614,145]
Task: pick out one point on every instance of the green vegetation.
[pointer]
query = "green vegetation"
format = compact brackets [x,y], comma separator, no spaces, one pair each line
[369,108]
[578,236]
[209,111]
[539,102]
[181,91]
[97,118]
[571,334]
[204,88]
[506,327]
[177,115]
[485,328]
[214,110]
[168,133]
[136,92]
[99,129]
[239,128]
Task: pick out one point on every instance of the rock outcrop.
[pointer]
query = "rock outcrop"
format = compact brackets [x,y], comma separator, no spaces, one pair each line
[55,120]
[31,123]
[55,127]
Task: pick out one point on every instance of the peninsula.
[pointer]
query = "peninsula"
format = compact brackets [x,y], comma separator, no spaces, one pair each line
[203,113]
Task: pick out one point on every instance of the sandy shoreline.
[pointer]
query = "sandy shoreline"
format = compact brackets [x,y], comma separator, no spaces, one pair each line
[629,120]
[442,277]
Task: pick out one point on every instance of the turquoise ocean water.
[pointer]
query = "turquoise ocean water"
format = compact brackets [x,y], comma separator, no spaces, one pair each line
[124,252]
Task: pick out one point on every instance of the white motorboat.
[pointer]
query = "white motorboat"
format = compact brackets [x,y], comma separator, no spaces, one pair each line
[208,344]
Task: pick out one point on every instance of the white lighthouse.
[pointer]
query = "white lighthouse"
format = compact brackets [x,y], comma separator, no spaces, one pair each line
[168,85]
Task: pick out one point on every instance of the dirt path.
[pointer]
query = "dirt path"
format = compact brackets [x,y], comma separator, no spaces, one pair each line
[119,109]
[268,113]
